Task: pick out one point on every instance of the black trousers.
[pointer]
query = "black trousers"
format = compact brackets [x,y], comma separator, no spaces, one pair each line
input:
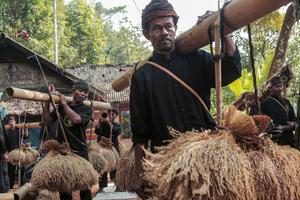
[12,174]
[84,194]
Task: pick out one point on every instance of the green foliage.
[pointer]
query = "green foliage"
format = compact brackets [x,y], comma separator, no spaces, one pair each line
[245,82]
[85,32]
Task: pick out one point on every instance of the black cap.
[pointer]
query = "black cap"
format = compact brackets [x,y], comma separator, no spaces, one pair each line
[81,84]
[157,9]
[275,80]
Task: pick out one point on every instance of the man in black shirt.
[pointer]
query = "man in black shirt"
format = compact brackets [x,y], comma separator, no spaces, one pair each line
[75,117]
[4,181]
[157,100]
[14,139]
[281,111]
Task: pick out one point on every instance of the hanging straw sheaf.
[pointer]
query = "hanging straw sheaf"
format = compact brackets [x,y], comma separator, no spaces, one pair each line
[26,155]
[287,163]
[47,195]
[236,163]
[125,175]
[122,148]
[98,161]
[267,182]
[109,152]
[200,166]
[62,171]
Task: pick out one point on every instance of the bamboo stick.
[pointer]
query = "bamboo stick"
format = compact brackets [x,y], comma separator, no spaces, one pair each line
[238,14]
[218,72]
[25,125]
[43,97]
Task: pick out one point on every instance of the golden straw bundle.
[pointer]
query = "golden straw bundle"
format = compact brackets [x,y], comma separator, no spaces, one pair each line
[122,148]
[125,175]
[226,164]
[200,166]
[109,152]
[62,171]
[98,161]
[26,155]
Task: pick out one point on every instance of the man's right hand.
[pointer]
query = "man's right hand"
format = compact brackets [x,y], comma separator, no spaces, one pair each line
[51,88]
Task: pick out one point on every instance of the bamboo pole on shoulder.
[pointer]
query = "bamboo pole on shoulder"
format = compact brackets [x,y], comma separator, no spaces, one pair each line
[25,125]
[238,13]
[44,97]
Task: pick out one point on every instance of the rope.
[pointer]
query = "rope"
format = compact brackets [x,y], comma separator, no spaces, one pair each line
[252,62]
[223,20]
[52,101]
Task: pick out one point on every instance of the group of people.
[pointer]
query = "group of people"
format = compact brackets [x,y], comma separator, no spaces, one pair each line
[158,100]
[276,106]
[10,139]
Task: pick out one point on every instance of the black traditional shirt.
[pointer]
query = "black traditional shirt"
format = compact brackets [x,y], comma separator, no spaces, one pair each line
[281,111]
[158,100]
[75,133]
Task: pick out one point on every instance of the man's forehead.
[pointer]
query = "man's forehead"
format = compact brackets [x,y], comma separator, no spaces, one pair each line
[162,21]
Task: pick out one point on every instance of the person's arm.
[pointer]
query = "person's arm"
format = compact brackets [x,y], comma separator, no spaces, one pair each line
[73,116]
[230,46]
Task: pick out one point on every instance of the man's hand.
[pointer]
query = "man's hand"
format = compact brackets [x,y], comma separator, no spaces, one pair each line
[51,88]
[12,123]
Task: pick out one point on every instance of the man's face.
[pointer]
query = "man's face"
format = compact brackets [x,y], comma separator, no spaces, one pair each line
[79,95]
[276,89]
[161,33]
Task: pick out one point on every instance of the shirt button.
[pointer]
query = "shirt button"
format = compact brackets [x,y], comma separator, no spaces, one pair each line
[182,109]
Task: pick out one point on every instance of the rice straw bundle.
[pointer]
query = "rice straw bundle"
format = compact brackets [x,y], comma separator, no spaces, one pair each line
[234,164]
[26,155]
[47,195]
[267,182]
[98,161]
[122,148]
[200,166]
[287,163]
[125,175]
[62,171]
[109,152]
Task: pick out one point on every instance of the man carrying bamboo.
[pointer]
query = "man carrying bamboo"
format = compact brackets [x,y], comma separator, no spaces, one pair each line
[157,100]
[75,117]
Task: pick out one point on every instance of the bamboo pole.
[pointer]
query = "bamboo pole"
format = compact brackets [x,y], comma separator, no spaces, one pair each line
[25,125]
[44,97]
[238,14]
[218,72]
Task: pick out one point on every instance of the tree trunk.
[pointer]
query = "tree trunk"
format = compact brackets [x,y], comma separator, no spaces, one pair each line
[282,44]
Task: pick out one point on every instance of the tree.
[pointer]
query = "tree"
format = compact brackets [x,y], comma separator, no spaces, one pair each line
[86,33]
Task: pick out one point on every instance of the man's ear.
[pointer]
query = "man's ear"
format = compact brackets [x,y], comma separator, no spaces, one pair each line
[146,34]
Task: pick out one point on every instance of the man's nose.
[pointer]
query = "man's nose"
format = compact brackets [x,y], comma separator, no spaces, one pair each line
[164,31]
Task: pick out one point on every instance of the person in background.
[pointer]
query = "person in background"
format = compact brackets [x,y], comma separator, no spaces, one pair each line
[281,111]
[157,100]
[14,139]
[109,128]
[75,117]
[4,180]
